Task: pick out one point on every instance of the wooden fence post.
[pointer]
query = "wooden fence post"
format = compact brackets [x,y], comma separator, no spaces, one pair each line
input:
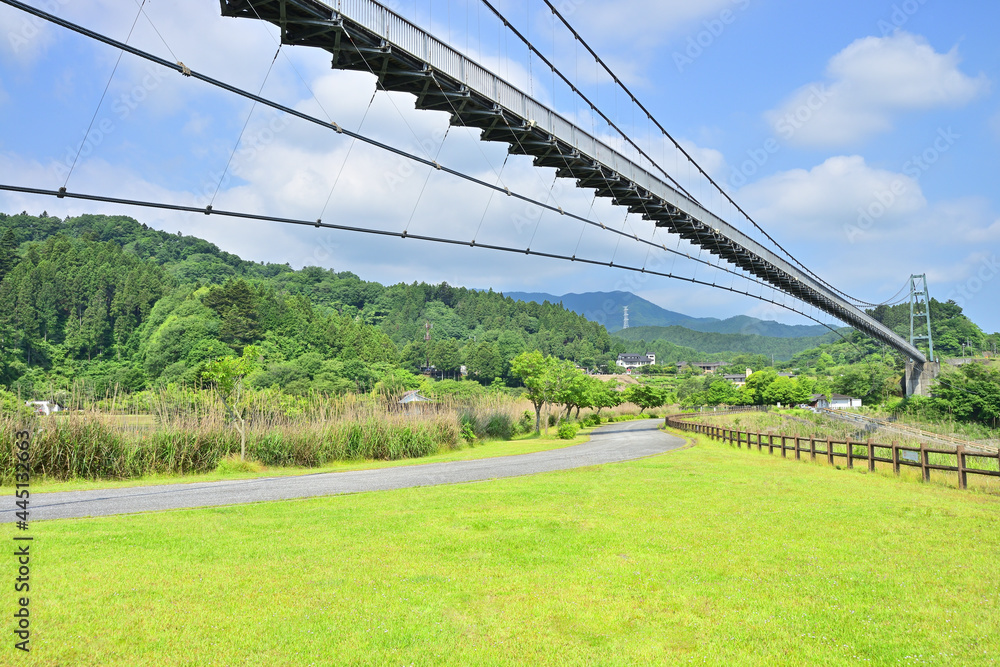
[829,450]
[850,453]
[760,446]
[871,456]
[895,457]
[963,480]
[798,455]
[770,443]
[924,470]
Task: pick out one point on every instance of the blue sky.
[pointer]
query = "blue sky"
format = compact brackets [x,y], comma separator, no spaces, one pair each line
[863,136]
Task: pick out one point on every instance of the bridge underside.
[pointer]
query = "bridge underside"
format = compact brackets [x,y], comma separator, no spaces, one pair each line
[355,47]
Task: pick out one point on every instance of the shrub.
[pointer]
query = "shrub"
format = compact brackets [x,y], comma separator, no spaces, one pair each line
[499,426]
[468,433]
[232,463]
[527,422]
[553,420]
[567,431]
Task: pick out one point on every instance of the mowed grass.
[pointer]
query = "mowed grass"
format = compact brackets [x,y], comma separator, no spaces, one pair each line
[706,555]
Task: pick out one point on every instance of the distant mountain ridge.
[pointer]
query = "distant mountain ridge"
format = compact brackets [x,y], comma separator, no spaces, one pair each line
[607,308]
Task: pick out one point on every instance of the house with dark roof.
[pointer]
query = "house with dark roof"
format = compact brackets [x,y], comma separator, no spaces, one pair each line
[631,361]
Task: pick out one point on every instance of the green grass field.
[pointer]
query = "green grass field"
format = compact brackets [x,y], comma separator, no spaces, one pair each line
[704,555]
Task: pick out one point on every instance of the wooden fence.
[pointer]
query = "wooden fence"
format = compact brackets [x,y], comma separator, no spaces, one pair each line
[868,453]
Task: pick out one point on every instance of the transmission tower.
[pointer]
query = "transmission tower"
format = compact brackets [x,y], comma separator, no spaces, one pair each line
[625,324]
[920,309]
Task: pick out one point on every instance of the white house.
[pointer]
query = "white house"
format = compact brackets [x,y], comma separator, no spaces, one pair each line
[630,361]
[836,402]
[44,407]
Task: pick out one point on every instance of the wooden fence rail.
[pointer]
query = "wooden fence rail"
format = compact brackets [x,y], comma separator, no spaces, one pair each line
[867,452]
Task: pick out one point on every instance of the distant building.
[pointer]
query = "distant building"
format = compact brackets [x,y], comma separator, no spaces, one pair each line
[737,379]
[413,397]
[708,367]
[630,361]
[45,407]
[836,402]
[412,402]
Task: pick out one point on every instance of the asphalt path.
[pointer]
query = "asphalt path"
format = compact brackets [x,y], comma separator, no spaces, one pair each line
[624,441]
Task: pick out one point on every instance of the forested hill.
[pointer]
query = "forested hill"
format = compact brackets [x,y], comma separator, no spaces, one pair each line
[665,340]
[108,300]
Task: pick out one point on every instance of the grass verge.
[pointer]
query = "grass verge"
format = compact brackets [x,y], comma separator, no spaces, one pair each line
[706,554]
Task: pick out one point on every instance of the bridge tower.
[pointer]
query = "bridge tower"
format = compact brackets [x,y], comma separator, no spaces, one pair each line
[920,308]
[917,380]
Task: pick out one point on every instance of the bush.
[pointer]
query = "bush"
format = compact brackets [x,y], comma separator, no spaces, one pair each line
[553,419]
[527,423]
[593,419]
[567,431]
[499,426]
[232,463]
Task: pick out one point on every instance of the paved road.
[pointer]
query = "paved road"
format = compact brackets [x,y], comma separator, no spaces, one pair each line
[610,444]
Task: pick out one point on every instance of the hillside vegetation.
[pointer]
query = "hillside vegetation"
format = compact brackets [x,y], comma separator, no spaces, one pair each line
[714,343]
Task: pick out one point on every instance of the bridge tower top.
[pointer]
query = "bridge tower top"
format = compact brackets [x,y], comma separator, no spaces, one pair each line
[920,309]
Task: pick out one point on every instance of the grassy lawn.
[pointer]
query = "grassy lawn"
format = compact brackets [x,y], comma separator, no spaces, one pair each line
[704,555]
[525,444]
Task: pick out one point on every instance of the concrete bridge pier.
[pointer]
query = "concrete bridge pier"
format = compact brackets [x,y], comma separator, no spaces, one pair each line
[917,381]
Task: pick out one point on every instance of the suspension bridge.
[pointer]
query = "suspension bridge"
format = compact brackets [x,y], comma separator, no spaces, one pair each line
[368,36]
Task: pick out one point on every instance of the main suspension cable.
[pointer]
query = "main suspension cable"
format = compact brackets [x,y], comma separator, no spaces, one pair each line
[694,162]
[188,72]
[62,193]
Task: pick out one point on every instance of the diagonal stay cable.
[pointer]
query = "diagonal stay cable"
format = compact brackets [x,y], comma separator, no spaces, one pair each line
[100,102]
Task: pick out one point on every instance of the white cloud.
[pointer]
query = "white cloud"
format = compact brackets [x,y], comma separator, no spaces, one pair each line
[23,37]
[826,199]
[867,84]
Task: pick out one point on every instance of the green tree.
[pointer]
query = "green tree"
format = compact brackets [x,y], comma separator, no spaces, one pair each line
[8,252]
[604,394]
[227,375]
[535,371]
[645,396]
[972,393]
